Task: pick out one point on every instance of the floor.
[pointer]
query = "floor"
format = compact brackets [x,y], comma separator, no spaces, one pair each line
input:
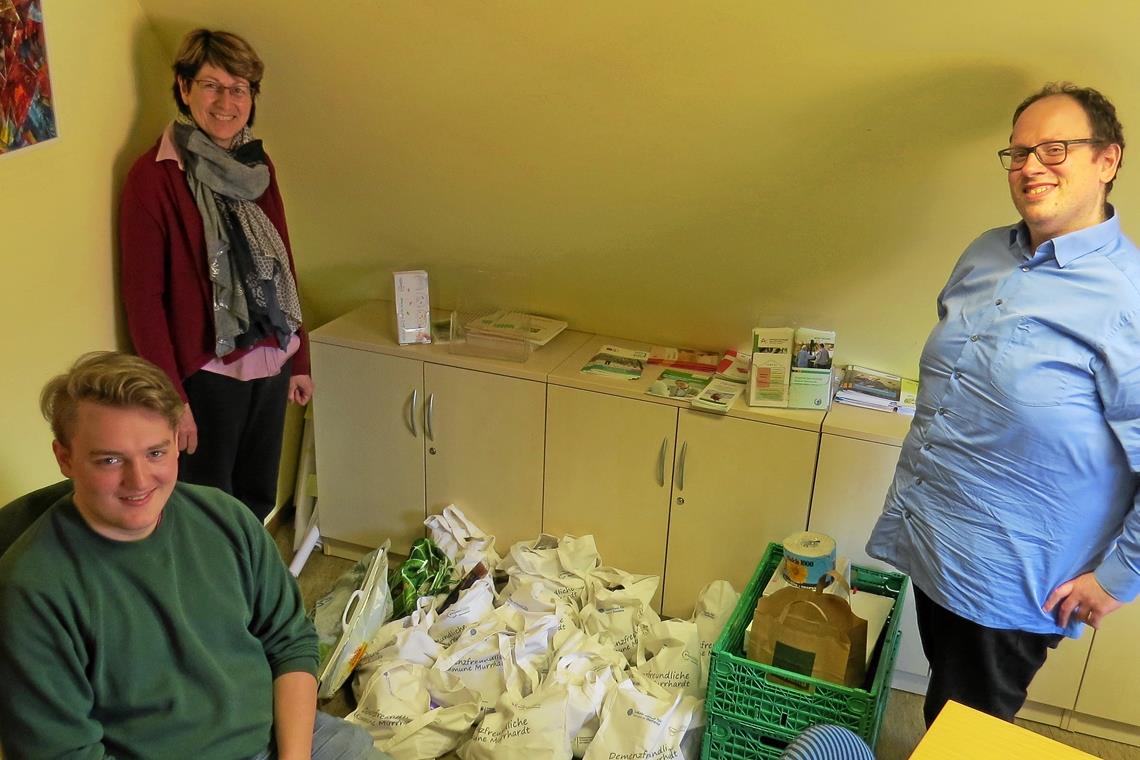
[902,725]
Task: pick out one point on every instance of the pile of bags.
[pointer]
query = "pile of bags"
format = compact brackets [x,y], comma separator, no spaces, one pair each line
[566,658]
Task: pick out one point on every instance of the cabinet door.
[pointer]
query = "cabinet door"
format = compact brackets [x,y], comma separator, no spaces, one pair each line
[737,485]
[1059,679]
[370,455]
[485,449]
[851,483]
[1111,688]
[609,463]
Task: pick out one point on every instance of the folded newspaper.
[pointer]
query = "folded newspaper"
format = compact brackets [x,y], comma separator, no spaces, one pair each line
[614,361]
[719,396]
[675,383]
[873,389]
[537,330]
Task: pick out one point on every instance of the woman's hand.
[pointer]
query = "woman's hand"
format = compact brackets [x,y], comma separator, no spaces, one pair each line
[300,389]
[187,431]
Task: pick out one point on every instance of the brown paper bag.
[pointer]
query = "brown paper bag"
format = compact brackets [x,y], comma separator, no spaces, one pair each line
[808,632]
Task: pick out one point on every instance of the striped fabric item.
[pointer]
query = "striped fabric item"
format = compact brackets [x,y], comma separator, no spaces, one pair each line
[826,742]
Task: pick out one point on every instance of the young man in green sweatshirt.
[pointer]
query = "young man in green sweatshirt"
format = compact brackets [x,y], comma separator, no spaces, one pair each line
[145,618]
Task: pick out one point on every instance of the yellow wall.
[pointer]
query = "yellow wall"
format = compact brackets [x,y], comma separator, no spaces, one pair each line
[660,169]
[675,171]
[57,210]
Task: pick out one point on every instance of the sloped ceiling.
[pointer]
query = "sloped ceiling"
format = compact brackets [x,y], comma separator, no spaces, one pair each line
[673,171]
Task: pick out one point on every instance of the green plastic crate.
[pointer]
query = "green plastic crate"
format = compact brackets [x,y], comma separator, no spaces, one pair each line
[740,691]
[727,739]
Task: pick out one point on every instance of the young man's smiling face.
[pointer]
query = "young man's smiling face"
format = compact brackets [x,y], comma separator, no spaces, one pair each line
[124,464]
[1066,197]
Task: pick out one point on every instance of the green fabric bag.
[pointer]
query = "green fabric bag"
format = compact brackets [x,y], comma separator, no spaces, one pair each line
[426,572]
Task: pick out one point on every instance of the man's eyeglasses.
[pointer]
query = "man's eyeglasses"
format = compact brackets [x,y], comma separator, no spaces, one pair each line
[1048,153]
[239,92]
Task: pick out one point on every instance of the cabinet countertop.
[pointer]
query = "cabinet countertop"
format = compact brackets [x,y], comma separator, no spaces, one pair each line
[866,424]
[372,327]
[569,374]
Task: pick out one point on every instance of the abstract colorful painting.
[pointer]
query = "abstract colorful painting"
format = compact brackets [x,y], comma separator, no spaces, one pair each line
[26,113]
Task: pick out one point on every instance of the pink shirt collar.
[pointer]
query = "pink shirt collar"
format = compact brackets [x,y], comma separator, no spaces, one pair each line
[166,148]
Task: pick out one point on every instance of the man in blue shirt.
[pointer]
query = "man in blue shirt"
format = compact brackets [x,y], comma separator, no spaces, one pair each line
[1014,504]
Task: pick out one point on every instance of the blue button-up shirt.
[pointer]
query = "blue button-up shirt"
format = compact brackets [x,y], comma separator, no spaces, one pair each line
[1020,469]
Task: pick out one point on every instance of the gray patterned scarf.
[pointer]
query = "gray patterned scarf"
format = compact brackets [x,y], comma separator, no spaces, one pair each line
[253,287]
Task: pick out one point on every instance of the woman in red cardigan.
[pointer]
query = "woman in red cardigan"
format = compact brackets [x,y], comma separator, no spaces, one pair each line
[207,273]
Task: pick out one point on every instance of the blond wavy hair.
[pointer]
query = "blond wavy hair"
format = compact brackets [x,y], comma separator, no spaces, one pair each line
[111,378]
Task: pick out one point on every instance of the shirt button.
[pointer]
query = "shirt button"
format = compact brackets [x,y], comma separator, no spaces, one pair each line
[918,481]
[998,302]
[973,338]
[942,410]
[957,375]
[927,446]
[1025,269]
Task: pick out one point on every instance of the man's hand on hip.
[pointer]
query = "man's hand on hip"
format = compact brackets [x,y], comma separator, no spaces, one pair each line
[1082,598]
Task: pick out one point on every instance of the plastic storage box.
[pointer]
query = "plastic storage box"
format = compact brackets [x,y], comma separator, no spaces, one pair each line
[750,716]
[478,332]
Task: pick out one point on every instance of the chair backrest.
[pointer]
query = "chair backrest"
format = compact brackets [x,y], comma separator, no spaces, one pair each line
[19,515]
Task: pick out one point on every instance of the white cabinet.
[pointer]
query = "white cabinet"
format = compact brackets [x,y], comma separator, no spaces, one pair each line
[1055,687]
[1109,701]
[609,469]
[688,496]
[369,446]
[852,478]
[738,484]
[403,431]
[484,438]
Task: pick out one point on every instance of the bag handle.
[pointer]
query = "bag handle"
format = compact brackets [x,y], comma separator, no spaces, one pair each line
[356,597]
[784,612]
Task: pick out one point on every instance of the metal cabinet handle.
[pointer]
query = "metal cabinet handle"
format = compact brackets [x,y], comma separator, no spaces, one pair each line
[661,463]
[427,416]
[412,412]
[681,467]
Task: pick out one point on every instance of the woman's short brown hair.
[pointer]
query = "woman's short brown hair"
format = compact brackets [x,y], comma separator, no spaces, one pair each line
[225,50]
[110,378]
